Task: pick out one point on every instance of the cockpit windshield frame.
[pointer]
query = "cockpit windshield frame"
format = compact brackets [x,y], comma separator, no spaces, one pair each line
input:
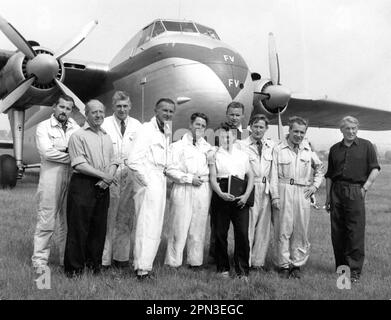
[160,26]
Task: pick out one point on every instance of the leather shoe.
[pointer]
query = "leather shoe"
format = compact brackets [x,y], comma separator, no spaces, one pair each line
[355,277]
[283,273]
[295,273]
[120,264]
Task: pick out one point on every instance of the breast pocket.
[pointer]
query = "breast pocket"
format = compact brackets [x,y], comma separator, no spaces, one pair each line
[284,166]
[305,159]
[58,141]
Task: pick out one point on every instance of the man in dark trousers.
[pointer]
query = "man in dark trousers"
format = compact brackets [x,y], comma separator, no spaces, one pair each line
[92,159]
[352,169]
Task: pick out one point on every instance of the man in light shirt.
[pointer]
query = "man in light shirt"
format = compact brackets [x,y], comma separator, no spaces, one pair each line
[94,165]
[121,129]
[190,195]
[52,138]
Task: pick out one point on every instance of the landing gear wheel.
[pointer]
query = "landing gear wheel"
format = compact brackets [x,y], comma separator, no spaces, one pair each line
[8,171]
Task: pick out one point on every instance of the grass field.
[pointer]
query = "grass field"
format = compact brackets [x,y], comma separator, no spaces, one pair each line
[18,216]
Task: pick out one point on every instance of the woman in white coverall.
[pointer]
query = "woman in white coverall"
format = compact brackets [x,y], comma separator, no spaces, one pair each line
[259,150]
[121,129]
[148,161]
[296,174]
[52,138]
[190,194]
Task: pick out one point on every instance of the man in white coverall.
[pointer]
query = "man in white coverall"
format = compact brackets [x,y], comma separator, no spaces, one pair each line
[121,129]
[190,195]
[292,184]
[52,138]
[259,150]
[148,161]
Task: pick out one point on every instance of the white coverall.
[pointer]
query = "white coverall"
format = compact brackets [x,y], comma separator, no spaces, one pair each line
[260,213]
[189,205]
[291,175]
[52,189]
[148,160]
[121,209]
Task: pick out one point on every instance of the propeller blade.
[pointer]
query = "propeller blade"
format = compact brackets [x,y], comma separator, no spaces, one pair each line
[41,114]
[274,67]
[280,127]
[77,40]
[79,104]
[16,38]
[15,94]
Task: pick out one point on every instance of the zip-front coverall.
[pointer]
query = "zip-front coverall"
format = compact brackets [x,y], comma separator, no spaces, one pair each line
[291,175]
[148,160]
[189,204]
[52,187]
[260,213]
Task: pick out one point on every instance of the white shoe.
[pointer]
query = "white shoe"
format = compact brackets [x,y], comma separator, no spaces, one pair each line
[224,274]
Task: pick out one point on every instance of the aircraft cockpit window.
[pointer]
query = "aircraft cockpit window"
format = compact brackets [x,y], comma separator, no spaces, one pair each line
[180,26]
[158,29]
[146,35]
[172,25]
[208,31]
[188,27]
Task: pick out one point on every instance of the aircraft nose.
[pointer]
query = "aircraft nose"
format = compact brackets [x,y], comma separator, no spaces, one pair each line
[231,68]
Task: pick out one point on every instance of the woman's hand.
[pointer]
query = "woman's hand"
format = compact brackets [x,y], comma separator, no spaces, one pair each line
[227,196]
[242,200]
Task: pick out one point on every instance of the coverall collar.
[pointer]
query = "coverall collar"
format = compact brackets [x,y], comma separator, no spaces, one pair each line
[119,121]
[303,145]
[251,141]
[188,138]
[54,122]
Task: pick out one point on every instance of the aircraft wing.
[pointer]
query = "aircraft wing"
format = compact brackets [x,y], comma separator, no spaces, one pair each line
[326,113]
[84,78]
[6,144]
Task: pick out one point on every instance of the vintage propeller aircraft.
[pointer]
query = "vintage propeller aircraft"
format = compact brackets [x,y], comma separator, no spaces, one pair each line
[182,60]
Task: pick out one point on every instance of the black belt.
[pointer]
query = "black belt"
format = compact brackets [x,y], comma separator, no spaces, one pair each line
[347,183]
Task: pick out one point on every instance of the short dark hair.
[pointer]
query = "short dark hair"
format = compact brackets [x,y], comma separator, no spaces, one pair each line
[299,120]
[167,100]
[258,117]
[235,105]
[64,97]
[201,115]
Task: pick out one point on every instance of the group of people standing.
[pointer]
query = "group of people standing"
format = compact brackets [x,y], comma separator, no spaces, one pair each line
[108,179]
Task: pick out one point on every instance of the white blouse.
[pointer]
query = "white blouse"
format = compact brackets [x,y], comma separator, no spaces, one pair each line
[234,163]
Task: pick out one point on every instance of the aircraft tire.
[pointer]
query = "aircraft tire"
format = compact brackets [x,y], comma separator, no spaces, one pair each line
[8,171]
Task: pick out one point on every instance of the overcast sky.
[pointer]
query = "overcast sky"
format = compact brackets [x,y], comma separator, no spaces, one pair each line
[338,48]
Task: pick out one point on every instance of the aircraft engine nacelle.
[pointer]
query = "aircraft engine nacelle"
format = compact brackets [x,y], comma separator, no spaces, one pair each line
[269,98]
[17,70]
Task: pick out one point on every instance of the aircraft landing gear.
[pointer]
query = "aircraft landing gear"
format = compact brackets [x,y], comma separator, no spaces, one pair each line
[8,171]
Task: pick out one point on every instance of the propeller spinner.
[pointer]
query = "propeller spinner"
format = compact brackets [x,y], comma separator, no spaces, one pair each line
[41,67]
